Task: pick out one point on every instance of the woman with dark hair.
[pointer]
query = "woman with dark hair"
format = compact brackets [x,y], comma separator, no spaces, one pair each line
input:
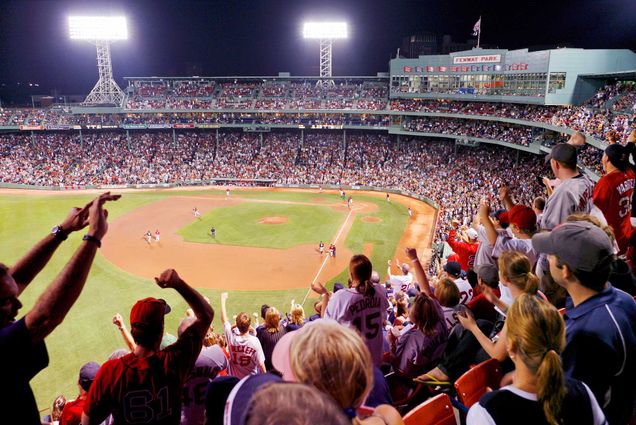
[363,305]
[269,334]
[420,345]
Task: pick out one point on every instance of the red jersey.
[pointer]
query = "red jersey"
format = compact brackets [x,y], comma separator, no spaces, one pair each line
[613,196]
[72,413]
[144,390]
[465,251]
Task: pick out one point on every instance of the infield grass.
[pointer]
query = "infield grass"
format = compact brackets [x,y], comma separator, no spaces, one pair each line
[87,333]
[241,225]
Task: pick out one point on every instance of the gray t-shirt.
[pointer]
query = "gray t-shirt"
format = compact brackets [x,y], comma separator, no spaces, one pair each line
[366,314]
[572,195]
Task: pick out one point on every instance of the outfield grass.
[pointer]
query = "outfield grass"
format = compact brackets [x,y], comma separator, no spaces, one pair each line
[239,225]
[87,332]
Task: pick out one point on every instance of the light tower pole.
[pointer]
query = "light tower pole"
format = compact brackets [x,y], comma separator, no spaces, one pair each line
[326,32]
[101,31]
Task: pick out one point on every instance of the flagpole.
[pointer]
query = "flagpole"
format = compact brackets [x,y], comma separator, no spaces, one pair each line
[479,33]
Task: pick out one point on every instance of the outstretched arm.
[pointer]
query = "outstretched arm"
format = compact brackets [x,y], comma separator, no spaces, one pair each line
[491,232]
[125,333]
[419,272]
[202,310]
[506,199]
[25,270]
[59,297]
[223,309]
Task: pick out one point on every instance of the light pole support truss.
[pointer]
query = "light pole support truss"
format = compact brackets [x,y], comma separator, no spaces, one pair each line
[325,60]
[106,91]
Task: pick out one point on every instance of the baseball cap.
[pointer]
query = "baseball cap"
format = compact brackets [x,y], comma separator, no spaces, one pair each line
[337,286]
[240,396]
[149,312]
[498,214]
[471,233]
[522,216]
[87,374]
[453,268]
[563,152]
[488,273]
[617,156]
[581,245]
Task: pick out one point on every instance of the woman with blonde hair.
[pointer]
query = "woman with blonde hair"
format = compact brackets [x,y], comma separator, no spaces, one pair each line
[334,359]
[269,334]
[539,394]
[363,305]
[296,317]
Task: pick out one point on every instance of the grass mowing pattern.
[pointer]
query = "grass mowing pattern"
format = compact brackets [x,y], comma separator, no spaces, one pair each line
[239,225]
[384,235]
[87,333]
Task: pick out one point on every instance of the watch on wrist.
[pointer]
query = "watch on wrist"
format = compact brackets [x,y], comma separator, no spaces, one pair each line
[93,239]
[59,233]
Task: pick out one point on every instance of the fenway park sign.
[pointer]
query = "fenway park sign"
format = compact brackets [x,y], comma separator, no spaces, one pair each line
[477,59]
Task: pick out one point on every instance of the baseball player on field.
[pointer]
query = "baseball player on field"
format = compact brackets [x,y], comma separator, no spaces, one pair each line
[148,237]
[410,211]
[321,247]
[196,212]
[146,386]
[157,235]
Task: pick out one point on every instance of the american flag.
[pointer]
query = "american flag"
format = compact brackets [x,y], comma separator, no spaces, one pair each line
[477,27]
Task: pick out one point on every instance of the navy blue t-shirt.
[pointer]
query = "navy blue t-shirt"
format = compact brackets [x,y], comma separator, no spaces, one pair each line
[20,361]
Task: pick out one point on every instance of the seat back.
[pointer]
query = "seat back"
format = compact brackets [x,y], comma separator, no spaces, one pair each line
[437,410]
[477,381]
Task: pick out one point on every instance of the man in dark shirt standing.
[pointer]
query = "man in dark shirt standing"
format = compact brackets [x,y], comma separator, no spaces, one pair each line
[22,350]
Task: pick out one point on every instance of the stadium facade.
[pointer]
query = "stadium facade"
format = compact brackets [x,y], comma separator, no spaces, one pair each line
[545,77]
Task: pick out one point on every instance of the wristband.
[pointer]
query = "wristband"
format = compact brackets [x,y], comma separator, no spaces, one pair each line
[92,239]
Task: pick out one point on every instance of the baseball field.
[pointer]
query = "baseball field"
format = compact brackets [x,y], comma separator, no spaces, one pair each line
[265,251]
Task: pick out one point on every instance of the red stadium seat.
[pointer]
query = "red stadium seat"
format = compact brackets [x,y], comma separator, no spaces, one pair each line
[434,411]
[562,311]
[484,377]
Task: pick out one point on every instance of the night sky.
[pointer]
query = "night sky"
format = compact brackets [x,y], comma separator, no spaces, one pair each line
[263,37]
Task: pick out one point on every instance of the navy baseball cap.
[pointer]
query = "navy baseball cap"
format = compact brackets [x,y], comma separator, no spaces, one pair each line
[87,374]
[617,155]
[594,246]
[453,268]
[239,399]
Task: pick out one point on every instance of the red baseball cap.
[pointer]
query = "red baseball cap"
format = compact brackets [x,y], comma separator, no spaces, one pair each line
[522,216]
[149,312]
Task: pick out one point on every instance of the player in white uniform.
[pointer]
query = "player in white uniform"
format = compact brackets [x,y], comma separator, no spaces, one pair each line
[402,281]
[410,211]
[196,212]
[246,352]
[227,192]
[148,237]
[362,306]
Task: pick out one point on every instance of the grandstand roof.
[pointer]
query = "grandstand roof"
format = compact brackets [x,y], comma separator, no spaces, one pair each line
[265,77]
[628,75]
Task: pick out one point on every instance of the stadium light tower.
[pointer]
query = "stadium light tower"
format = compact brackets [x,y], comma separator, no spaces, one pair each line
[101,31]
[326,32]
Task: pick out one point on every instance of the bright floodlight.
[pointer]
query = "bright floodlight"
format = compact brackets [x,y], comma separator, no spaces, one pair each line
[325,30]
[98,27]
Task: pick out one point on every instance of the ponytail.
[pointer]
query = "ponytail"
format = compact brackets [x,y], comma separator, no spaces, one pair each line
[366,288]
[551,388]
[517,269]
[536,334]
[360,269]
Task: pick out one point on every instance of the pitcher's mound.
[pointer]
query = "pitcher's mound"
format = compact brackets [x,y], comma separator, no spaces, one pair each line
[272,220]
[371,219]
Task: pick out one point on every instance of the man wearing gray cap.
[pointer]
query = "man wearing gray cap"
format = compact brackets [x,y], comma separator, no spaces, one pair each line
[573,194]
[600,339]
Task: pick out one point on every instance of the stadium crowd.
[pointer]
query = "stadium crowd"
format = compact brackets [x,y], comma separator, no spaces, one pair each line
[527,236]
[372,351]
